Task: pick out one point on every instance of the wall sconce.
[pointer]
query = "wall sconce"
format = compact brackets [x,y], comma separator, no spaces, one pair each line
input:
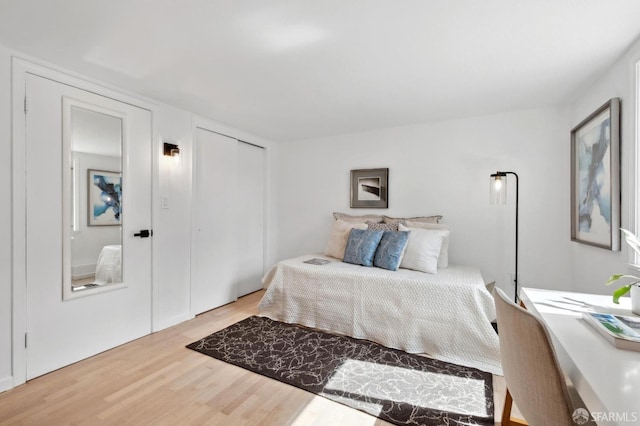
[498,195]
[173,151]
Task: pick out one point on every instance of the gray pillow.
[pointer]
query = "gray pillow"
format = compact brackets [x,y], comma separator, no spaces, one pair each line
[357,219]
[423,219]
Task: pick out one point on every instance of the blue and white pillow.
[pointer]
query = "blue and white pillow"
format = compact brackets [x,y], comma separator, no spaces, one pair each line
[390,250]
[361,246]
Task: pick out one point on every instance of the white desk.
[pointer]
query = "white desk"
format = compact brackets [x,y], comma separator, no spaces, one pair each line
[607,379]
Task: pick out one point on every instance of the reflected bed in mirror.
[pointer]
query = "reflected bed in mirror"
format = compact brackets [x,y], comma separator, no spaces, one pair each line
[108,269]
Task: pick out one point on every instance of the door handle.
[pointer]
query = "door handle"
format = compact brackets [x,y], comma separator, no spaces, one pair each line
[145,233]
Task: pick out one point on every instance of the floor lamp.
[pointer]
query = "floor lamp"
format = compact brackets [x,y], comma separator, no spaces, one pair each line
[498,185]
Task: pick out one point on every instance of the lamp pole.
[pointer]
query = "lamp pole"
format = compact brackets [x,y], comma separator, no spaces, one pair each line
[500,175]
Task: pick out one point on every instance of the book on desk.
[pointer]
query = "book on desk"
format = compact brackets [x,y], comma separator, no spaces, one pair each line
[622,331]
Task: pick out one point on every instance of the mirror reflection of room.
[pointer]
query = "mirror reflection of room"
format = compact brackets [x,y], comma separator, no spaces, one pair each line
[96,237]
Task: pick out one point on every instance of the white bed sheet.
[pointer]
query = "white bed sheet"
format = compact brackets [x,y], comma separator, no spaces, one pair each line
[109,266]
[445,315]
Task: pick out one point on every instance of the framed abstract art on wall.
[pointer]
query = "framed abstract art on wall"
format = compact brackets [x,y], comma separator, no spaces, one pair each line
[595,178]
[370,188]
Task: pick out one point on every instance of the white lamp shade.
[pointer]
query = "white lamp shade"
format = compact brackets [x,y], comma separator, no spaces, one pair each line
[498,189]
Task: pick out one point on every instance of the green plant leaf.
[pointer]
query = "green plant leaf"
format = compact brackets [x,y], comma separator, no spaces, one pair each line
[616,277]
[621,292]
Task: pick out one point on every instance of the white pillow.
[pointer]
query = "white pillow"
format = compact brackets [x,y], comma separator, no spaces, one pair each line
[443,259]
[339,235]
[422,249]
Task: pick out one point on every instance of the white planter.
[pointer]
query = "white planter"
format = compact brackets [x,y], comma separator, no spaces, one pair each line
[635,299]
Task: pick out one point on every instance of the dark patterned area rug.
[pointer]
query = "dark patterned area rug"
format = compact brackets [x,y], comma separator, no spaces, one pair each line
[398,387]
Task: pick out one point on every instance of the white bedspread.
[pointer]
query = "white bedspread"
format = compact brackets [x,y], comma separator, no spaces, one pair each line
[446,315]
[109,266]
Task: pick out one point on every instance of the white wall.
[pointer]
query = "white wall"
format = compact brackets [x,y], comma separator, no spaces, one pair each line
[443,168]
[5,220]
[171,227]
[592,266]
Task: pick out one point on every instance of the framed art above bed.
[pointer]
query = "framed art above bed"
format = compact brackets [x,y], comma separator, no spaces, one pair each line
[370,188]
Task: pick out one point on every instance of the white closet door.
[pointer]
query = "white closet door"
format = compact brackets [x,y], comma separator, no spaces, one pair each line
[215,237]
[250,218]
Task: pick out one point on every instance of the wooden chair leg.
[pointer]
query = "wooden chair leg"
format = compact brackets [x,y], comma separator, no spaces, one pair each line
[506,409]
[506,419]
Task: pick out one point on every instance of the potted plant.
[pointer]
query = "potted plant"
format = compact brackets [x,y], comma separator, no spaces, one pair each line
[634,286]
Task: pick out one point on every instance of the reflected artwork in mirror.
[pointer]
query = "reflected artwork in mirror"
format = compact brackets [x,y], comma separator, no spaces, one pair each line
[105,195]
[94,138]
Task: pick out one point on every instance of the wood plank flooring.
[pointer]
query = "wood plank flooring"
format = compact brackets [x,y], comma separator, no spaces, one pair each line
[155,380]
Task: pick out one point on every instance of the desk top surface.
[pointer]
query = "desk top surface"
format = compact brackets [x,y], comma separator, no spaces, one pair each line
[607,378]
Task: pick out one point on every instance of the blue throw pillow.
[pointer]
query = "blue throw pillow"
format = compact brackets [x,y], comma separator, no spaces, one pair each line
[390,250]
[361,246]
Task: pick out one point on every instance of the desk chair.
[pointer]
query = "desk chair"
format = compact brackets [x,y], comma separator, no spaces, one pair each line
[531,370]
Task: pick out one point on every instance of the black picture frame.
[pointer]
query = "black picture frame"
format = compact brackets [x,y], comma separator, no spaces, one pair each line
[370,188]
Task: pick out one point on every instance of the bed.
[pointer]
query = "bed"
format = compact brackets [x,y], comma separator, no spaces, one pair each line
[445,315]
[109,266]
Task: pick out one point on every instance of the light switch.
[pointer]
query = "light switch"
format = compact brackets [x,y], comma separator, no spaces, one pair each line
[164,201]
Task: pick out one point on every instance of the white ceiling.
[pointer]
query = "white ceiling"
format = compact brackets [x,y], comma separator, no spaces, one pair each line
[296,69]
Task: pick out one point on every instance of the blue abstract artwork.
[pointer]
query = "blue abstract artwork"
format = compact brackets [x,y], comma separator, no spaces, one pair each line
[596,179]
[593,167]
[105,198]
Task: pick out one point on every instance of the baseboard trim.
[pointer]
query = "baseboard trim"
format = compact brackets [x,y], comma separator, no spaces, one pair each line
[170,322]
[6,383]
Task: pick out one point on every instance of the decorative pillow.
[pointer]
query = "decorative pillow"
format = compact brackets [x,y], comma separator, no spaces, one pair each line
[361,246]
[390,250]
[443,259]
[357,219]
[339,236]
[382,226]
[422,219]
[423,250]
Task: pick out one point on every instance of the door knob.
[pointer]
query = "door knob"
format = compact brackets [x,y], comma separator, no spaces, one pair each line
[145,233]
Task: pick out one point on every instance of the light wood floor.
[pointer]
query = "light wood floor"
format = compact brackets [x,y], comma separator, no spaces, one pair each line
[155,380]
